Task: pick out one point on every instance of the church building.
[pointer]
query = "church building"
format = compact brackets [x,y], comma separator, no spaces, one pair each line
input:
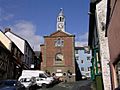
[58,53]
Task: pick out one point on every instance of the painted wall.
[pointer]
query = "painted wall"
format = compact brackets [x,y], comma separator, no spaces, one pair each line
[5,41]
[86,63]
[114,38]
[18,41]
[101,13]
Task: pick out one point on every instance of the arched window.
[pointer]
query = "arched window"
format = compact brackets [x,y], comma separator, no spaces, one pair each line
[59,57]
[60,19]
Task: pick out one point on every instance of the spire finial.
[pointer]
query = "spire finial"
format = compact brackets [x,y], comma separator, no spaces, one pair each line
[61,12]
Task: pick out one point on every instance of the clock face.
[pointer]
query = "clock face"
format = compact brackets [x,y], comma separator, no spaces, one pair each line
[60,26]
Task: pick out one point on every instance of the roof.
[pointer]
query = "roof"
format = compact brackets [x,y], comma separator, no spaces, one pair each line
[94,1]
[11,41]
[5,35]
[61,12]
[81,47]
[59,31]
[9,30]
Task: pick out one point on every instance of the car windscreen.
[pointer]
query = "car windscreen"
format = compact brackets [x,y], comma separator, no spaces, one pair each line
[42,75]
[25,80]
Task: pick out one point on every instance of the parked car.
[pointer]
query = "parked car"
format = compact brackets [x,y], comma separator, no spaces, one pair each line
[41,78]
[11,85]
[84,77]
[29,83]
[44,80]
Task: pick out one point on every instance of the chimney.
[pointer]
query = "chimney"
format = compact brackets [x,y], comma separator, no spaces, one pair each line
[7,30]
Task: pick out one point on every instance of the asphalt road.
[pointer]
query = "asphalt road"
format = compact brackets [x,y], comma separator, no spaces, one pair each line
[79,85]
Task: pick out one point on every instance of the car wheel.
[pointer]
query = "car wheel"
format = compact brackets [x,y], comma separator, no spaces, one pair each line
[44,85]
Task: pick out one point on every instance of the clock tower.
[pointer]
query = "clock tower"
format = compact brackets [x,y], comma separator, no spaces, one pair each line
[57,52]
[61,21]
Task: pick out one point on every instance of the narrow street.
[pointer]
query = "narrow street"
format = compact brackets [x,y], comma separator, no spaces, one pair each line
[79,85]
[59,44]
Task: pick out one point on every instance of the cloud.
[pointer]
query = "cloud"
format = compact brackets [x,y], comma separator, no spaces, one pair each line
[4,15]
[8,17]
[82,40]
[27,30]
[78,44]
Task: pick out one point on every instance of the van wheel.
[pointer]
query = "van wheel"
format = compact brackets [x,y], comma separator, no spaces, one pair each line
[44,85]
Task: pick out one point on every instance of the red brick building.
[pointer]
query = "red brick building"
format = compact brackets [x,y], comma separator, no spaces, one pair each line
[58,51]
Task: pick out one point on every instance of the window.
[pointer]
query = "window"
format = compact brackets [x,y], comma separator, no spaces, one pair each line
[59,57]
[87,50]
[60,19]
[42,76]
[26,49]
[77,57]
[88,68]
[15,51]
[82,68]
[88,58]
[81,61]
[28,52]
[59,42]
[76,51]
[87,74]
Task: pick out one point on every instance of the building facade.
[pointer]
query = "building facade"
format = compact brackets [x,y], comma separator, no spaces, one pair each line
[58,52]
[113,34]
[24,46]
[10,58]
[105,16]
[99,42]
[37,60]
[83,59]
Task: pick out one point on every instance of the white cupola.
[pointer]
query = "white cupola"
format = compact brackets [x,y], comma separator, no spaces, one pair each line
[61,21]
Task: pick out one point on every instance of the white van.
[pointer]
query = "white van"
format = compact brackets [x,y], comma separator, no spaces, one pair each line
[42,78]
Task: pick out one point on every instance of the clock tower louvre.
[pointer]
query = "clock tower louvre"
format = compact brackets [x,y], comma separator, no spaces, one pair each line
[61,21]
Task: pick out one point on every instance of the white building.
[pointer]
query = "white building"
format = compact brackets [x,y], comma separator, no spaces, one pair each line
[83,59]
[23,45]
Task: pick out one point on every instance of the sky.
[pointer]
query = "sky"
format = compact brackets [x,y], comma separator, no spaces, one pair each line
[33,19]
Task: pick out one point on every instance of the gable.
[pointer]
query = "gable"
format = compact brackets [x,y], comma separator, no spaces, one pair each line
[19,42]
[60,33]
[5,40]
